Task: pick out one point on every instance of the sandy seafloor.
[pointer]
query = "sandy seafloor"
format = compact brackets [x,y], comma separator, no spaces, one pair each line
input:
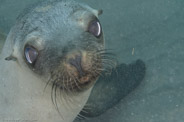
[155,30]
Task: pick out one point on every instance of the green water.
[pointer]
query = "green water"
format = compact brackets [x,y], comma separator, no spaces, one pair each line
[154,31]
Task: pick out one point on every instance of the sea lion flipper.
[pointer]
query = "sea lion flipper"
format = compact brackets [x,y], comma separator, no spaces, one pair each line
[109,90]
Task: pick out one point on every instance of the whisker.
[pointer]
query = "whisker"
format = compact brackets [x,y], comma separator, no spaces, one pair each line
[104,50]
[75,82]
[70,100]
[82,116]
[67,83]
[85,111]
[76,79]
[62,96]
[47,84]
[54,98]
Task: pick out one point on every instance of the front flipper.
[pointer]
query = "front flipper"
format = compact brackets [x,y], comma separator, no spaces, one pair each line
[110,89]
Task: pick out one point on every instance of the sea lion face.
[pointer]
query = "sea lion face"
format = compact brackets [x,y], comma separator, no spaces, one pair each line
[61,42]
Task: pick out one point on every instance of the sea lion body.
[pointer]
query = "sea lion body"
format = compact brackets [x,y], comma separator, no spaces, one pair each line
[41,78]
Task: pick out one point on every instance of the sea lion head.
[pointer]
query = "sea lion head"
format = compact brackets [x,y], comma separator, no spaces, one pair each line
[61,42]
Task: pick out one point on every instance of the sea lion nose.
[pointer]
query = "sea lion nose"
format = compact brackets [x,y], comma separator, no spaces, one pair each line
[76,62]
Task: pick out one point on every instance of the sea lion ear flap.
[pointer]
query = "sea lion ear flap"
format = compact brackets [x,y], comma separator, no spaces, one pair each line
[97,12]
[11,58]
[100,12]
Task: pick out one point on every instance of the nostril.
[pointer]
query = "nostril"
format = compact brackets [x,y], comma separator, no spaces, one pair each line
[77,64]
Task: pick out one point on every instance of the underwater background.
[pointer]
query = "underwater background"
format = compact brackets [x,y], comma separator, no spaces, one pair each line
[150,30]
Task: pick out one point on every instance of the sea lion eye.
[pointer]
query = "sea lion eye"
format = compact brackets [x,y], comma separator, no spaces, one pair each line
[31,54]
[95,28]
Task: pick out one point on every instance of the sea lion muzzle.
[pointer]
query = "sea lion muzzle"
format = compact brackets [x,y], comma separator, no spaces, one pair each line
[76,62]
[79,66]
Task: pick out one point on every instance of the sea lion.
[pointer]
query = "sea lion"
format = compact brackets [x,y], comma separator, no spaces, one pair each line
[53,55]
[123,80]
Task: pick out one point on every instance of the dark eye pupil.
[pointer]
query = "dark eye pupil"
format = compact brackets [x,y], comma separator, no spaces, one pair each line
[95,28]
[31,54]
